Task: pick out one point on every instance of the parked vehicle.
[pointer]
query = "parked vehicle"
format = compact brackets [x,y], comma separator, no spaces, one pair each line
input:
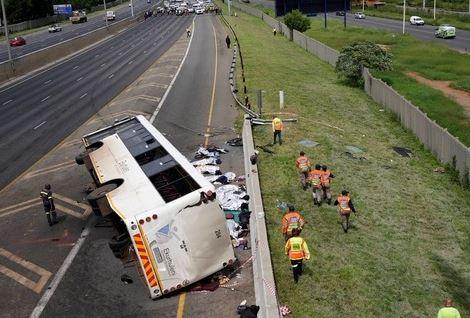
[110,15]
[18,41]
[78,16]
[445,31]
[359,15]
[54,28]
[160,10]
[415,20]
[199,10]
[340,13]
[164,210]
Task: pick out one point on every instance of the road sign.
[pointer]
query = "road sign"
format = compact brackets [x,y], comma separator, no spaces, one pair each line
[62,8]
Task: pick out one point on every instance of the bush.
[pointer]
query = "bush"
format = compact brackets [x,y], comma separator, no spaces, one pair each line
[354,57]
[295,20]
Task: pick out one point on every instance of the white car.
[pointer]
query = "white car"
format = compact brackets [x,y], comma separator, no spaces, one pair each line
[54,28]
[199,10]
[359,15]
[191,10]
[415,20]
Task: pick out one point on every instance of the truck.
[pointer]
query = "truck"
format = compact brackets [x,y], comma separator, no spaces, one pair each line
[165,213]
[110,15]
[78,16]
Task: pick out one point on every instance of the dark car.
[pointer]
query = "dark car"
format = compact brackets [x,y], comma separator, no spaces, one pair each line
[341,13]
[18,41]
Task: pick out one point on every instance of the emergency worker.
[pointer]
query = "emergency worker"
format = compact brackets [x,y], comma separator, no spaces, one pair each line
[297,250]
[345,206]
[448,311]
[291,221]
[326,183]
[314,178]
[303,166]
[48,204]
[278,126]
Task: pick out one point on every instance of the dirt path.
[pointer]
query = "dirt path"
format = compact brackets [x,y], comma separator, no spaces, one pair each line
[459,96]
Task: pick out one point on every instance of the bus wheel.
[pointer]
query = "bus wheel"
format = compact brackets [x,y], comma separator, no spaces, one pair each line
[98,201]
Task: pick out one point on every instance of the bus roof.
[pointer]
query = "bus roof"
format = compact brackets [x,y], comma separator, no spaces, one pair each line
[153,171]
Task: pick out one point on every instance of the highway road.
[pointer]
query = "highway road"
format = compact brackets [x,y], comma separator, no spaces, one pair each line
[42,39]
[38,112]
[426,32]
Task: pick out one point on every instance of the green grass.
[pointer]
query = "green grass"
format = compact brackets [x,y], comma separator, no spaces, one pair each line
[432,61]
[409,246]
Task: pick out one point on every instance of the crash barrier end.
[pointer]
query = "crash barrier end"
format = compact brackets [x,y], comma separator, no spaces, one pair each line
[438,140]
[263,277]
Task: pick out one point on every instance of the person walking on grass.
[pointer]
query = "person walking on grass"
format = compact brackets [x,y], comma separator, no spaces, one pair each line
[345,206]
[291,221]
[326,183]
[297,250]
[448,311]
[274,31]
[303,166]
[278,126]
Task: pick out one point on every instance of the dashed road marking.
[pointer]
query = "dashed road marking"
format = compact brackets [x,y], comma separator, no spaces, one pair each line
[83,95]
[75,67]
[35,286]
[111,76]
[7,102]
[79,79]
[130,62]
[39,125]
[47,82]
[45,98]
[102,64]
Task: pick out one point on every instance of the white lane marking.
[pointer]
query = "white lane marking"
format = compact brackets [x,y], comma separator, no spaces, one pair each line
[75,67]
[145,52]
[79,79]
[83,95]
[61,272]
[97,55]
[120,53]
[39,125]
[47,82]
[45,98]
[154,115]
[130,62]
[102,64]
[110,76]
[7,102]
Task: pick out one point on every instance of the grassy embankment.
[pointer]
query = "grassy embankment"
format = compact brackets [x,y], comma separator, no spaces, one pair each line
[409,245]
[431,60]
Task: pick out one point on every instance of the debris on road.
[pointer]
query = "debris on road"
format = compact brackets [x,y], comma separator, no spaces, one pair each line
[235,142]
[231,197]
[406,153]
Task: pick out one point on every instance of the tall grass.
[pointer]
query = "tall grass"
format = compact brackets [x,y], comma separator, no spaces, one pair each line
[409,245]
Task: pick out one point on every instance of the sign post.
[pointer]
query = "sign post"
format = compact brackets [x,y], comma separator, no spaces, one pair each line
[5,23]
[281,99]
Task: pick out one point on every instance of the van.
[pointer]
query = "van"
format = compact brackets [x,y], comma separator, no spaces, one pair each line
[415,20]
[110,15]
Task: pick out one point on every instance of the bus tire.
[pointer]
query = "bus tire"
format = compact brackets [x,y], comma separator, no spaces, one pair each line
[98,201]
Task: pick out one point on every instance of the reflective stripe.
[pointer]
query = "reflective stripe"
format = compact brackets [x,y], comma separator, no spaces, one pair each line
[344,204]
[144,258]
[295,248]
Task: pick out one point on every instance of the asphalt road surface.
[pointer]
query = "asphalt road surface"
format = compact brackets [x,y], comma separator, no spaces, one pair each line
[42,39]
[426,32]
[38,112]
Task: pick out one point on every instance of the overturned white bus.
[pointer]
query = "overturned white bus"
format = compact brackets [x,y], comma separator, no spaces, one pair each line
[159,202]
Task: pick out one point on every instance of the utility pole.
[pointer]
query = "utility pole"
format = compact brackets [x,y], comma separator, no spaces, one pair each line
[404,13]
[229,2]
[325,15]
[345,13]
[363,2]
[5,23]
[424,4]
[434,9]
[132,9]
[105,13]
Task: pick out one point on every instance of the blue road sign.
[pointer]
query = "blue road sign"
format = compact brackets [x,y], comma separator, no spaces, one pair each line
[62,8]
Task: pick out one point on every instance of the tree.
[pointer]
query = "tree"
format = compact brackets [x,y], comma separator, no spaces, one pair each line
[354,57]
[295,20]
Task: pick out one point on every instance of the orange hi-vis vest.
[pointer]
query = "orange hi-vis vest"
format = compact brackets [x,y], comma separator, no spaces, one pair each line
[325,178]
[303,163]
[296,248]
[343,204]
[277,124]
[315,178]
[290,221]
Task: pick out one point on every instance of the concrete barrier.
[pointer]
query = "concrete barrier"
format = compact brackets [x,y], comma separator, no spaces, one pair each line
[32,61]
[263,277]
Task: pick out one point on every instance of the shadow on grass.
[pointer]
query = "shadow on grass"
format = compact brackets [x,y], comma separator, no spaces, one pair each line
[455,284]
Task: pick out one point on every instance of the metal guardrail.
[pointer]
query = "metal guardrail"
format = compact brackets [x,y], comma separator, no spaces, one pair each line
[263,277]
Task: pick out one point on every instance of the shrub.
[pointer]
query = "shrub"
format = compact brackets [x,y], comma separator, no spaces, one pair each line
[295,20]
[354,57]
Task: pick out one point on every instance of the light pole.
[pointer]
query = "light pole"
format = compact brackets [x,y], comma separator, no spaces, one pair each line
[325,16]
[132,9]
[424,4]
[404,12]
[5,23]
[228,3]
[434,9]
[363,1]
[105,13]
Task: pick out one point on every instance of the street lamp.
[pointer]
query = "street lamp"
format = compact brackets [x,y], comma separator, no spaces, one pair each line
[434,9]
[132,9]
[105,13]
[5,23]
[404,12]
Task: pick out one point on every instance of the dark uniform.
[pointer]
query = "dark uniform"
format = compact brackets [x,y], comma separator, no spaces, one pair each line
[48,203]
